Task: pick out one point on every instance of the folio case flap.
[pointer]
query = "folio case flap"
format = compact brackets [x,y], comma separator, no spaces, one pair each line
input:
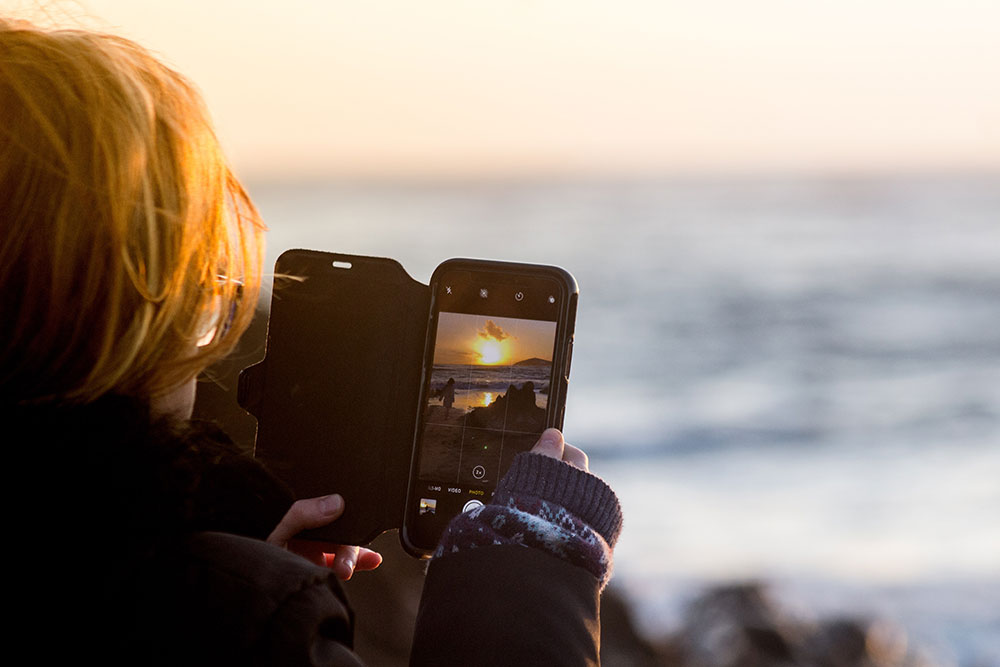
[336,394]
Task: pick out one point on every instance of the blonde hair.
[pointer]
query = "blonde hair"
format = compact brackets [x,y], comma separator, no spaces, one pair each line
[124,235]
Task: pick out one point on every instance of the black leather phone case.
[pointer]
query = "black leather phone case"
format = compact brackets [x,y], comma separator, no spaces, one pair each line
[336,394]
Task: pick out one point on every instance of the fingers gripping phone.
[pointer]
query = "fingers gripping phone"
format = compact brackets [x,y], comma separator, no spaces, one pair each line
[495,373]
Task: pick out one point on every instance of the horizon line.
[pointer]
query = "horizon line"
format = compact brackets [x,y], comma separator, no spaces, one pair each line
[391,177]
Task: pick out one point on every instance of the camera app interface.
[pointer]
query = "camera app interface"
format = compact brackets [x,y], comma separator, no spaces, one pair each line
[487,397]
[488,394]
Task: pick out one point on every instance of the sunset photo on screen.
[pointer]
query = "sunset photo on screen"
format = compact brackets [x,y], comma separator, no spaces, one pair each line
[487,396]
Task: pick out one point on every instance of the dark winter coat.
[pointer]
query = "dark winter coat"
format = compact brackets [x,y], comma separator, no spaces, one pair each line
[147,541]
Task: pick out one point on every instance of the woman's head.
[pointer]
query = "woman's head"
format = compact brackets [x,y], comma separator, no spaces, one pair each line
[124,236]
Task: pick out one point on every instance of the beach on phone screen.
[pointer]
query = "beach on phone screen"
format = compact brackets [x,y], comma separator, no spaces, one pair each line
[487,395]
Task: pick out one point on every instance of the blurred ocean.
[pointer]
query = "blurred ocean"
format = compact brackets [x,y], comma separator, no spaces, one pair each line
[793,380]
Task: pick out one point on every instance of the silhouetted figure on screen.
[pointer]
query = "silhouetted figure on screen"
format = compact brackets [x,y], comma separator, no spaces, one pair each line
[448,397]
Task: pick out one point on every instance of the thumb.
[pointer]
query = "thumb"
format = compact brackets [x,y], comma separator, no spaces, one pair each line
[305,514]
[550,444]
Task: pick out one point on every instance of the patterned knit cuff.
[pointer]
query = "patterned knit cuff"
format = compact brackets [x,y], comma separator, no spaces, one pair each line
[583,494]
[549,505]
[533,523]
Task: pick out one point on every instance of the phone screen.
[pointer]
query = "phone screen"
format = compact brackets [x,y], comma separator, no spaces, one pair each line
[492,385]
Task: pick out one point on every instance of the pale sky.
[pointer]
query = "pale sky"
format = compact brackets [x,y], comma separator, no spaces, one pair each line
[429,87]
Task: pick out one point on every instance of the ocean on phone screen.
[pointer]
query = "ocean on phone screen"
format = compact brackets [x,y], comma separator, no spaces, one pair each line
[788,379]
[479,386]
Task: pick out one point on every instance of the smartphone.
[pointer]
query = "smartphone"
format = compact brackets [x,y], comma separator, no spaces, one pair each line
[495,373]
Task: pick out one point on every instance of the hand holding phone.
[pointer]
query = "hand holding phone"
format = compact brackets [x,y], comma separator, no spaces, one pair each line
[343,559]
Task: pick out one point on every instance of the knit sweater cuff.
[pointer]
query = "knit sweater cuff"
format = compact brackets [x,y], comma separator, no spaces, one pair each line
[546,504]
[581,493]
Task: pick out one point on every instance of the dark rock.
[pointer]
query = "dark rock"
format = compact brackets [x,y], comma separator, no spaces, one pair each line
[516,411]
[739,625]
[850,642]
[621,643]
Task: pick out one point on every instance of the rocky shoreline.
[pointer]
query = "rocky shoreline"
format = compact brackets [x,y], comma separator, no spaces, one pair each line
[734,625]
